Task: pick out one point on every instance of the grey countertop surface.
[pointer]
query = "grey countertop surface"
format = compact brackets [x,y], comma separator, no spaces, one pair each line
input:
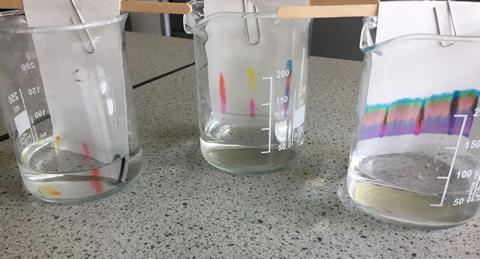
[150,55]
[182,207]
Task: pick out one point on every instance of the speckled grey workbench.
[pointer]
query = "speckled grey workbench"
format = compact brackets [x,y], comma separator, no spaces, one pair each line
[182,207]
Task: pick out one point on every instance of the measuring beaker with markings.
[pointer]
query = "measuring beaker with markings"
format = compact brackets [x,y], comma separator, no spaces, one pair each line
[252,73]
[416,159]
[68,109]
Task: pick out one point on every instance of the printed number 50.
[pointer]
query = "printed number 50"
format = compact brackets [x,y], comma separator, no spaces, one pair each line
[458,201]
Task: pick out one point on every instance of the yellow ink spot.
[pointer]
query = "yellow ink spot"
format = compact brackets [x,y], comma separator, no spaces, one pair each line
[57,140]
[49,190]
[252,78]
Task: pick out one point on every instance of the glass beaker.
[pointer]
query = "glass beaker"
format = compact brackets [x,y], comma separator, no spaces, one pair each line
[416,158]
[72,124]
[252,76]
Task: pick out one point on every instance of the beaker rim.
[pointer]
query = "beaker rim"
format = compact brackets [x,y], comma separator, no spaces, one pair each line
[62,28]
[420,37]
[199,24]
[368,45]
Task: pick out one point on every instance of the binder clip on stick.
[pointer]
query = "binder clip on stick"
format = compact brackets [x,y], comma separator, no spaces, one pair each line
[451,23]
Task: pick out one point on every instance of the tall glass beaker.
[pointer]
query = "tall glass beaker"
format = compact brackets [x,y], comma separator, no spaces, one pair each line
[72,124]
[252,77]
[416,159]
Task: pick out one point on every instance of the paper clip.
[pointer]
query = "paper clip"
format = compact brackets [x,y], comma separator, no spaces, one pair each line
[90,48]
[253,36]
[452,23]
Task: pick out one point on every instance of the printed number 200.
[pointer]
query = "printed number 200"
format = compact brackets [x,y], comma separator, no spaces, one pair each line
[27,66]
[477,113]
[283,73]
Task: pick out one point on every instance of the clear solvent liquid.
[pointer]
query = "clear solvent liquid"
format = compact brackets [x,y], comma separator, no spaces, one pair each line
[406,188]
[246,150]
[62,176]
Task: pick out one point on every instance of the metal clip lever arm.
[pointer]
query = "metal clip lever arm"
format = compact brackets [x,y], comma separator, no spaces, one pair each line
[451,20]
[90,46]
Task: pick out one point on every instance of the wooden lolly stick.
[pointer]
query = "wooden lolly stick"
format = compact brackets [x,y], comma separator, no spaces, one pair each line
[155,7]
[316,9]
[11,4]
[126,6]
[330,9]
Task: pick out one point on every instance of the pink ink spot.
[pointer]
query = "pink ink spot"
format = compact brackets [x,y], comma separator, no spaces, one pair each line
[418,127]
[94,182]
[382,129]
[86,153]
[419,123]
[383,126]
[223,94]
[253,112]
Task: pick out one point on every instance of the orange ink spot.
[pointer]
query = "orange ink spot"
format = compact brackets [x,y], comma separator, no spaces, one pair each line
[223,94]
[49,190]
[55,193]
[94,182]
[95,174]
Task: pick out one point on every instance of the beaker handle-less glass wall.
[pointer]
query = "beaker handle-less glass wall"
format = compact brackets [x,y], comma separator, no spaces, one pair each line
[416,154]
[252,76]
[72,124]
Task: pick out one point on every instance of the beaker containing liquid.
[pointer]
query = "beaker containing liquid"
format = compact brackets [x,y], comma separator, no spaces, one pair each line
[252,76]
[416,159]
[72,124]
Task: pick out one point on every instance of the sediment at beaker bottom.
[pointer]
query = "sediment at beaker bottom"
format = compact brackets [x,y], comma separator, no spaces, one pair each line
[81,185]
[247,160]
[409,192]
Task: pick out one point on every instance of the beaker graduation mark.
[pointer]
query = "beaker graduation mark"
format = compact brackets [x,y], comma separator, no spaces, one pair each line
[457,147]
[270,114]
[33,131]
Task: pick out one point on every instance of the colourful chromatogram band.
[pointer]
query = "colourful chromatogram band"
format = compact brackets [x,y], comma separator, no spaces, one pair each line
[289,68]
[415,116]
[252,82]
